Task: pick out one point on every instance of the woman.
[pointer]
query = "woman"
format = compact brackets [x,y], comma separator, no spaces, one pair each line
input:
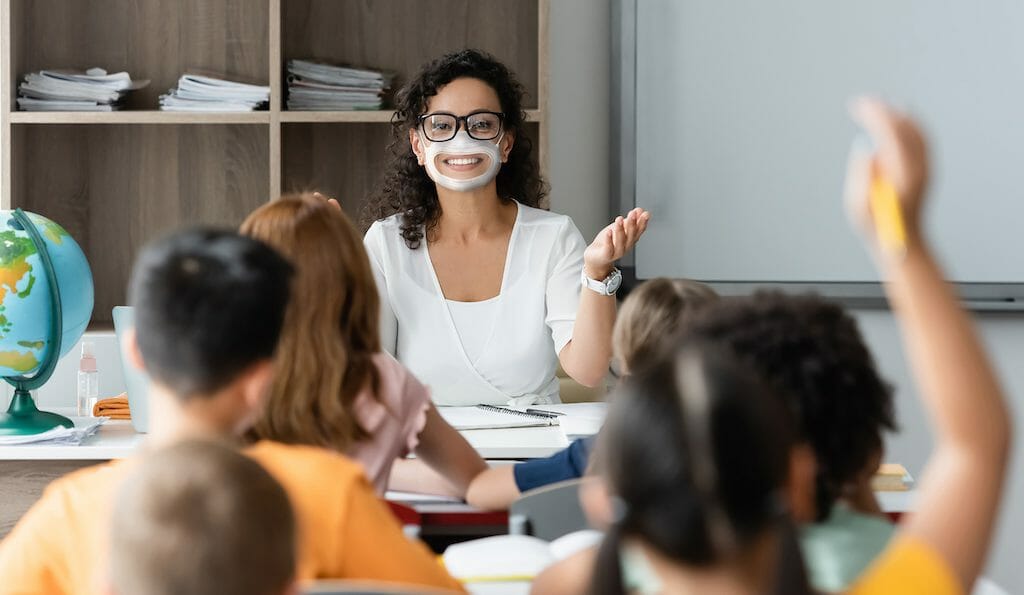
[480,288]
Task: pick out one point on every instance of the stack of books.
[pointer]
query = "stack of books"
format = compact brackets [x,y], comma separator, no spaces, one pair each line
[315,86]
[198,93]
[66,90]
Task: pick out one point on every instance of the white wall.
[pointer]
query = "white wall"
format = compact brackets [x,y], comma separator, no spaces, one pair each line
[578,129]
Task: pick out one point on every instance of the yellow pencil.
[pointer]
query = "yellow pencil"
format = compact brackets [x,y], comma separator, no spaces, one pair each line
[888,217]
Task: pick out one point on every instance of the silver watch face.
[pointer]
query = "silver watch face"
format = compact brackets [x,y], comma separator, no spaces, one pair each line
[613,281]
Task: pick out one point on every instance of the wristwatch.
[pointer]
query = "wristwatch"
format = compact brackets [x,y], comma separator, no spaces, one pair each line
[608,286]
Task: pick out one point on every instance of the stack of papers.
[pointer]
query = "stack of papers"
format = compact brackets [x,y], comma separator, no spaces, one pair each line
[60,436]
[314,86]
[197,93]
[66,90]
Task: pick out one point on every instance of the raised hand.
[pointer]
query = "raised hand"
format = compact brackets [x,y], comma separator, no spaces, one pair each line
[613,242]
[899,155]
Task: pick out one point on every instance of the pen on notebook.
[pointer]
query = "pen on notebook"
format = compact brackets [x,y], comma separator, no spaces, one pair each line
[544,412]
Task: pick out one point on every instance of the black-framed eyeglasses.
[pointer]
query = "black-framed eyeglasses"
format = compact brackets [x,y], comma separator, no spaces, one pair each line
[440,126]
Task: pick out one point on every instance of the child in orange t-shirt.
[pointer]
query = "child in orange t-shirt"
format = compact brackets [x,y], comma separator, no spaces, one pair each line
[209,310]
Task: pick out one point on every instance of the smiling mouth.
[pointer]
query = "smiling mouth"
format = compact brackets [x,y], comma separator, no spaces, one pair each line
[461,161]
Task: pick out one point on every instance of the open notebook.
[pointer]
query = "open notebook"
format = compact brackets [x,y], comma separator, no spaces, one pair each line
[486,417]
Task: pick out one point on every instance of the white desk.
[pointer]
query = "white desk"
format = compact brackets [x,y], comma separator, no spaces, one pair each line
[117,440]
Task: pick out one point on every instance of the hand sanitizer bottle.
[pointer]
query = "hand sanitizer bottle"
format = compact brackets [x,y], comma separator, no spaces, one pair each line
[88,380]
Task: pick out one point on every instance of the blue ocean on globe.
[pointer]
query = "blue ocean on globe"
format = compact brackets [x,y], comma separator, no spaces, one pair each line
[25,293]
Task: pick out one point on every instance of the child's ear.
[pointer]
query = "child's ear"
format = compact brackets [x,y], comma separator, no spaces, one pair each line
[256,384]
[803,466]
[596,500]
[131,347]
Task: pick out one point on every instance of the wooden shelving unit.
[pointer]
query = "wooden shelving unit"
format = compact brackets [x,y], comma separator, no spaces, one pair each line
[116,180]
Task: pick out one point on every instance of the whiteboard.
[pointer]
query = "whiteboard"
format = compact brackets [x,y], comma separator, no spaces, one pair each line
[742,133]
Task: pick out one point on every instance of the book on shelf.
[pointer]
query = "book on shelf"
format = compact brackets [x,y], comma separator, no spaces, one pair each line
[317,86]
[68,90]
[206,93]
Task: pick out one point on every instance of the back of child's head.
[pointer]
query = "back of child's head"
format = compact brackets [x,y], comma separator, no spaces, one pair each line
[332,327]
[810,350]
[203,519]
[653,314]
[208,305]
[697,456]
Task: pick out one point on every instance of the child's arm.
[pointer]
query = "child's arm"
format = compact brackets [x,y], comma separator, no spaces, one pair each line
[445,463]
[961,485]
[494,489]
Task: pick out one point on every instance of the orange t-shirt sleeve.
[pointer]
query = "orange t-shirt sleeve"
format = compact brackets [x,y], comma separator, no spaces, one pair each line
[30,555]
[379,550]
[908,566]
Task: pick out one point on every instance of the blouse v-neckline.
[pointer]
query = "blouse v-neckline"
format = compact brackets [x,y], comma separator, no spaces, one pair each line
[504,273]
[443,302]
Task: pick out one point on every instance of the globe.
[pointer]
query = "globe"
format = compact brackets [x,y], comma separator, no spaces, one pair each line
[39,260]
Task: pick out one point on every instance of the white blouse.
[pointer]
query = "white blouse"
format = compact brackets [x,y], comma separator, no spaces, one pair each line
[523,329]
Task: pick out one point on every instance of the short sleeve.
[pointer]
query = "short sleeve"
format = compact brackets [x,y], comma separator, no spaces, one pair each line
[32,556]
[909,566]
[374,243]
[415,403]
[374,547]
[563,286]
[570,463]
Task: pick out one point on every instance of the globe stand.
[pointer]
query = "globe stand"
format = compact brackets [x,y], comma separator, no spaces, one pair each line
[22,417]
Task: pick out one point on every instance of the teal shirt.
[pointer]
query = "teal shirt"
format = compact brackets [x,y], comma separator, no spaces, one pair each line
[838,549]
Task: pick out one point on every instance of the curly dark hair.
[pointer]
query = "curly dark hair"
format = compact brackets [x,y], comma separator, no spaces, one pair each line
[405,187]
[810,350]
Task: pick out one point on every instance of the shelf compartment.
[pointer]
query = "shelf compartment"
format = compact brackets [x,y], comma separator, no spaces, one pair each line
[402,35]
[115,188]
[150,39]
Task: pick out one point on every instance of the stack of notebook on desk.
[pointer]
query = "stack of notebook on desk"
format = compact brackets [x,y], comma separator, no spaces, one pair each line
[314,86]
[199,93]
[67,90]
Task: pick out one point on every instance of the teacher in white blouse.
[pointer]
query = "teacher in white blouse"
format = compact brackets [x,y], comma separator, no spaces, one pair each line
[482,292]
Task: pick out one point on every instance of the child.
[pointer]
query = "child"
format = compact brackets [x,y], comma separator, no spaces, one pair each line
[657,309]
[939,549]
[334,387]
[811,350]
[198,517]
[209,306]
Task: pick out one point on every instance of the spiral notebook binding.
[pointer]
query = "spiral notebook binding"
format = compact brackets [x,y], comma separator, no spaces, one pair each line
[526,414]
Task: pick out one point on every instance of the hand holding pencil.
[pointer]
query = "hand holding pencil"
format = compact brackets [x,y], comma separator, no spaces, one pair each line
[885,187]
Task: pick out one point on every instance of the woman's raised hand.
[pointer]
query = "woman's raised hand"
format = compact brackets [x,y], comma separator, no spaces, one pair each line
[613,242]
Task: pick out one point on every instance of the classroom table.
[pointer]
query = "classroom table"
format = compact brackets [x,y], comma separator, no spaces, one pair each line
[26,469]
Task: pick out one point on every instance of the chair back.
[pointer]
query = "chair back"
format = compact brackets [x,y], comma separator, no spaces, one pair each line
[548,512]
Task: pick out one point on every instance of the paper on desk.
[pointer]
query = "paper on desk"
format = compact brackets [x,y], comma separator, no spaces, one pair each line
[578,419]
[84,427]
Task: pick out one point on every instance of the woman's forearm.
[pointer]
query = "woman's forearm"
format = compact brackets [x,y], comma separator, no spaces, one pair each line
[587,355]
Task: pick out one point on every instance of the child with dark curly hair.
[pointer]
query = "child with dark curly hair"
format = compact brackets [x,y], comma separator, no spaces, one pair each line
[480,287]
[810,351]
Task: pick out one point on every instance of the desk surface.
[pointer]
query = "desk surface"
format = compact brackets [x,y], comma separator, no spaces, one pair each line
[118,439]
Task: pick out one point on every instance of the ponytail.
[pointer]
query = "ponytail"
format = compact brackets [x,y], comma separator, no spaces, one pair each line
[607,579]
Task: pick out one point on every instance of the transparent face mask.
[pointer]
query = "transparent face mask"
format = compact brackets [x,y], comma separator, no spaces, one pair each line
[463,144]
